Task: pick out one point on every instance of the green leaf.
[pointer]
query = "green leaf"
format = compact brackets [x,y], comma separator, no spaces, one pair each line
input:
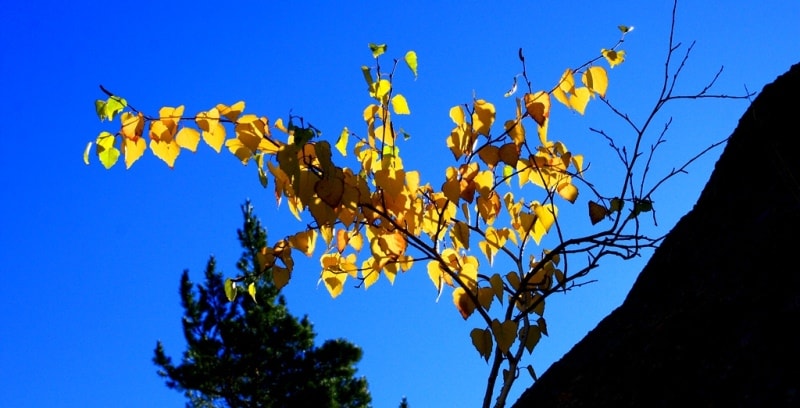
[406,136]
[230,289]
[640,206]
[251,290]
[106,152]
[411,61]
[508,171]
[114,105]
[100,108]
[377,49]
[262,175]
[616,205]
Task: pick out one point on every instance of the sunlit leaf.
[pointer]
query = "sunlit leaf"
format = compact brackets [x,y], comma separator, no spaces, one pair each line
[380,89]
[105,149]
[230,112]
[341,143]
[538,106]
[568,192]
[213,130]
[400,105]
[304,241]
[251,290]
[230,289]
[483,117]
[463,303]
[377,49]
[580,99]
[411,60]
[133,149]
[613,57]
[596,79]
[188,138]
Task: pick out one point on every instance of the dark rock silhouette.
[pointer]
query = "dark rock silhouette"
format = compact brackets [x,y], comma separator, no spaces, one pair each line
[714,317]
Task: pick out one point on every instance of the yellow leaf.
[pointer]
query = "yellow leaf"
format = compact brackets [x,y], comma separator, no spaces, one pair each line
[613,57]
[133,150]
[482,340]
[460,235]
[238,149]
[437,274]
[132,126]
[213,131]
[411,61]
[483,117]
[251,290]
[334,281]
[497,286]
[490,155]
[565,87]
[463,303]
[231,112]
[505,333]
[380,89]
[596,79]
[580,99]
[538,106]
[568,192]
[341,143]
[469,274]
[370,276]
[304,241]
[188,138]
[400,105]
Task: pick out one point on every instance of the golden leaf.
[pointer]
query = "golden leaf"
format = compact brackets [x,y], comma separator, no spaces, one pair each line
[483,117]
[596,79]
[188,138]
[568,192]
[463,303]
[538,106]
[613,57]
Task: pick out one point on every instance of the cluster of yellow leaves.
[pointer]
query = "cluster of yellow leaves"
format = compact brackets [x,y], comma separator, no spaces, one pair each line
[380,209]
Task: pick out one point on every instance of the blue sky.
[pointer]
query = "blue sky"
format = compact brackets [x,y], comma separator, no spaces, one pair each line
[91,258]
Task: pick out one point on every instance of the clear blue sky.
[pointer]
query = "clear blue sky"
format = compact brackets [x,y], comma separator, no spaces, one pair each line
[91,258]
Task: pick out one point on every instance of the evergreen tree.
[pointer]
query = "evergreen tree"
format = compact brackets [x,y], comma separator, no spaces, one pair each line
[255,354]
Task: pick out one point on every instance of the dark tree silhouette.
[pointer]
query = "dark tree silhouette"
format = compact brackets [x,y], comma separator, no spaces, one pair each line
[255,354]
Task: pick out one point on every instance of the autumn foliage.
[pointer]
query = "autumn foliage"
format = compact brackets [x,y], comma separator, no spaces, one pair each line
[375,218]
